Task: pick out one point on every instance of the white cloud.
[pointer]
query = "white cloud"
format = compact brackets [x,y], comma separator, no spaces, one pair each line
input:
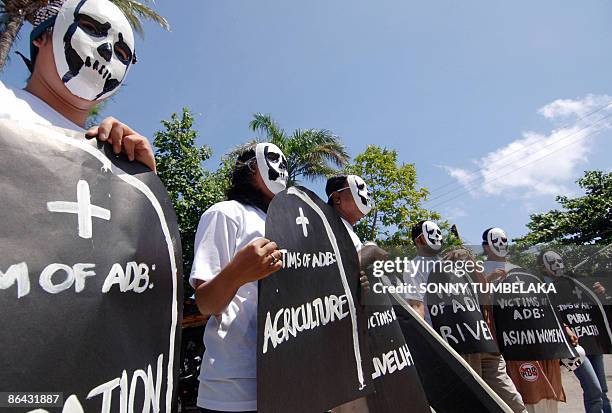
[459,174]
[454,213]
[561,108]
[541,164]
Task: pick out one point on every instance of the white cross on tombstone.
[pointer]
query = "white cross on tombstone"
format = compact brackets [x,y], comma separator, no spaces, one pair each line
[83,208]
[577,292]
[303,221]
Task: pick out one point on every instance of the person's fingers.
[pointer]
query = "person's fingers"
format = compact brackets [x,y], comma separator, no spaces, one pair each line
[105,127]
[116,137]
[276,266]
[273,258]
[129,145]
[269,247]
[91,132]
[277,254]
[260,242]
[127,130]
[143,152]
[365,284]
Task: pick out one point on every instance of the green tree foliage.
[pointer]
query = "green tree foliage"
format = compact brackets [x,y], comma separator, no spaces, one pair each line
[311,153]
[579,260]
[585,219]
[191,187]
[396,194]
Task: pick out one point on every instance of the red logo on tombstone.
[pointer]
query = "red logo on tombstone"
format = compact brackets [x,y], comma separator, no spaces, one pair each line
[528,372]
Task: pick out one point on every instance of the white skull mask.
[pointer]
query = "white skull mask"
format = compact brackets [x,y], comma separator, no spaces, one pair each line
[432,235]
[498,242]
[93,47]
[272,165]
[361,195]
[553,263]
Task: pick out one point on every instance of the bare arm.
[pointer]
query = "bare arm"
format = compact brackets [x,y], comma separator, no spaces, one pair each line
[213,296]
[255,261]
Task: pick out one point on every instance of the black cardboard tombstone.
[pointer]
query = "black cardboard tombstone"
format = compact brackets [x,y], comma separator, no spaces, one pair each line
[582,310]
[396,380]
[90,281]
[449,383]
[456,315]
[527,325]
[311,344]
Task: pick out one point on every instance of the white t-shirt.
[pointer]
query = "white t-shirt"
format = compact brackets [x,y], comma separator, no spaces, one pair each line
[422,267]
[20,105]
[228,377]
[354,237]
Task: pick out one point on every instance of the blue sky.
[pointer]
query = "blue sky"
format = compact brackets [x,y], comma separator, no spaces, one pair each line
[453,86]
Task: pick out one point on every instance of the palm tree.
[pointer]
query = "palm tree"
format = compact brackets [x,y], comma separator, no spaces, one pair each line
[311,153]
[13,13]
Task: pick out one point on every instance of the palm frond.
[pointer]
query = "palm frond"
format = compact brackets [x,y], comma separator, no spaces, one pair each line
[238,149]
[311,153]
[318,146]
[263,123]
[137,11]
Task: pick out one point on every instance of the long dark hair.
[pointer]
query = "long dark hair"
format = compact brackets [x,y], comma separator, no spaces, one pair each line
[242,181]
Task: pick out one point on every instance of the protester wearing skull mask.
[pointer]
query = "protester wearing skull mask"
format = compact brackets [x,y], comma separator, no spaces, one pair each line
[551,263]
[80,52]
[543,394]
[490,366]
[591,373]
[231,255]
[427,237]
[495,246]
[350,198]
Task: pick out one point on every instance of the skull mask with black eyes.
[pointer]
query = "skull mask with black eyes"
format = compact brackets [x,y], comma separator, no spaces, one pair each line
[272,165]
[432,235]
[93,47]
[361,195]
[497,240]
[553,263]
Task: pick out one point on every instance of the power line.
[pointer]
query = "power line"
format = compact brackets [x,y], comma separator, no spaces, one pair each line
[474,172]
[508,173]
[511,163]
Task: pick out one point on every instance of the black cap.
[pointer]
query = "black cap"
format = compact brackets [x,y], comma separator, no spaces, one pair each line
[417,230]
[485,234]
[335,183]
